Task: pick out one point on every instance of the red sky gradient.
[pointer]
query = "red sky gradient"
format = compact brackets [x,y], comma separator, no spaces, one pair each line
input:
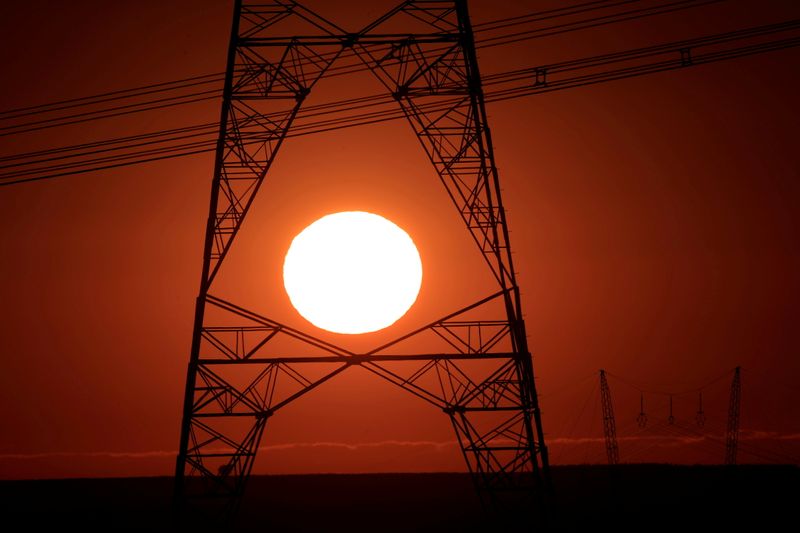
[655,223]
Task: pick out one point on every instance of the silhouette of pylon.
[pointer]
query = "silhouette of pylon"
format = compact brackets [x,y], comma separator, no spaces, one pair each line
[609,422]
[734,411]
[479,372]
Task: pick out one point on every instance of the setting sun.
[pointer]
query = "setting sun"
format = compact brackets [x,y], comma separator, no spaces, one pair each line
[352,272]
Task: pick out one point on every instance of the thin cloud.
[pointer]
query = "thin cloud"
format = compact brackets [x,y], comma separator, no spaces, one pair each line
[669,440]
[360,445]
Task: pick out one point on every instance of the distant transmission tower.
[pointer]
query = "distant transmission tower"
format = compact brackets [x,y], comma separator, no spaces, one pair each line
[479,371]
[734,408]
[609,423]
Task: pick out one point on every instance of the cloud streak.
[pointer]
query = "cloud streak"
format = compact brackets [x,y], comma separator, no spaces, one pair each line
[435,445]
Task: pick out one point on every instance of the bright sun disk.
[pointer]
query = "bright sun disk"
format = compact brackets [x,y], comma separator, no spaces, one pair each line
[352,272]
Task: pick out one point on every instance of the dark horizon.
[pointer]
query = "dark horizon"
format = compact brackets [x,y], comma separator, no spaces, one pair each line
[626,496]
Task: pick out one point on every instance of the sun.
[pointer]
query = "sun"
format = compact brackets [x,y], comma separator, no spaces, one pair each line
[352,272]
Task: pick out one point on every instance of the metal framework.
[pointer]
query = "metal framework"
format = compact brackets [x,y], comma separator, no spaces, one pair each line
[478,371]
[609,422]
[734,408]
[641,418]
[700,416]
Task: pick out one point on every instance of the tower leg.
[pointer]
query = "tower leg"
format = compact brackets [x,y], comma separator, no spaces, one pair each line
[734,407]
[609,422]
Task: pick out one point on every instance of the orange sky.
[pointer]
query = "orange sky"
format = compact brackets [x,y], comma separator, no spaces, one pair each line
[654,222]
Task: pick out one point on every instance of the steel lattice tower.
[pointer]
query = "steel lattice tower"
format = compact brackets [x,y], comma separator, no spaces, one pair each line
[609,422]
[480,373]
[734,408]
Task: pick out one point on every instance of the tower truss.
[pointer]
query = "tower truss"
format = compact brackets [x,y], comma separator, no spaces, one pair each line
[734,409]
[609,422]
[478,371]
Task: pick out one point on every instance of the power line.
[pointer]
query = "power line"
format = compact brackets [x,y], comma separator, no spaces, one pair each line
[373,109]
[681,392]
[548,14]
[596,22]
[113,96]
[108,142]
[118,111]
[338,70]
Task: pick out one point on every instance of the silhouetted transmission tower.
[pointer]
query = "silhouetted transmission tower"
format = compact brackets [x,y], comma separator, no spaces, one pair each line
[480,374]
[609,422]
[734,408]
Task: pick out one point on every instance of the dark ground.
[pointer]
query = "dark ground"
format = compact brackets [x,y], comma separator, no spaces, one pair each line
[627,498]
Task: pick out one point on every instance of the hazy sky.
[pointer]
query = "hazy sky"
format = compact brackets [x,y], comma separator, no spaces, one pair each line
[655,224]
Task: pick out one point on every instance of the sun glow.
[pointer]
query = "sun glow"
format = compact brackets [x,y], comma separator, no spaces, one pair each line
[352,272]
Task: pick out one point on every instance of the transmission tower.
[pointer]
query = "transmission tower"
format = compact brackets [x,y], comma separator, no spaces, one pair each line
[641,418]
[700,416]
[734,407]
[609,423]
[479,371]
